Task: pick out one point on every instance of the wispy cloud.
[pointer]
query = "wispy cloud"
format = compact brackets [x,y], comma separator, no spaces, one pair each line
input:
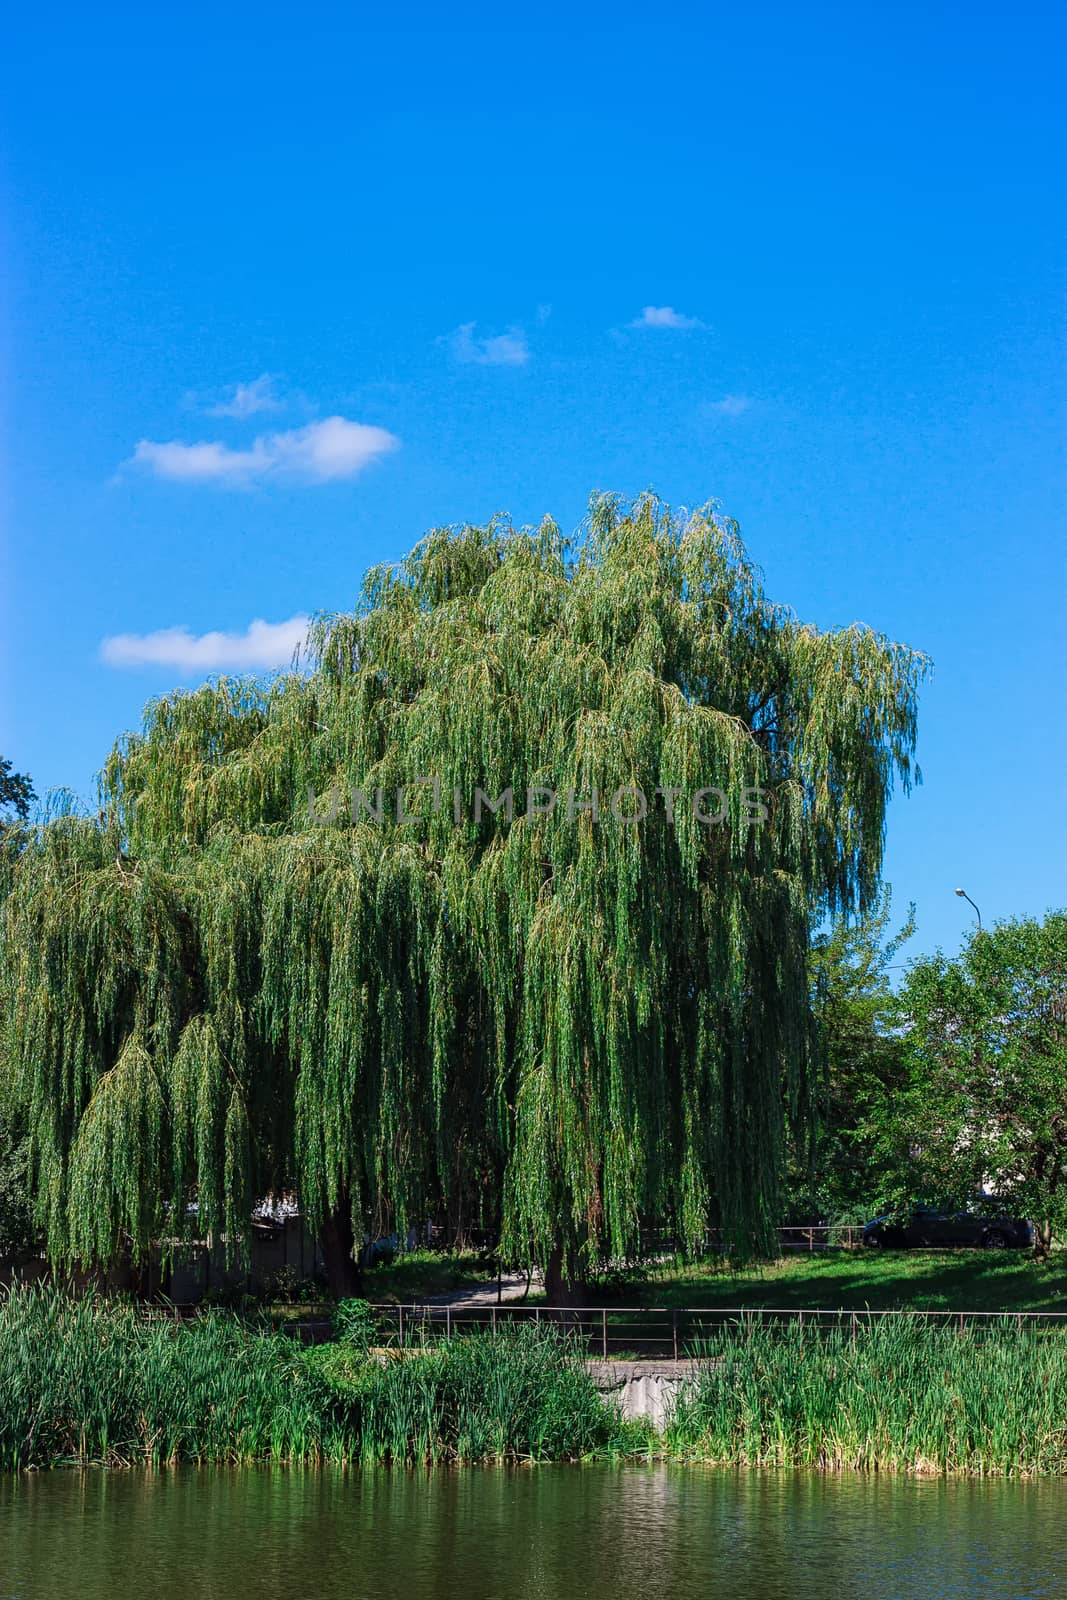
[664,317]
[731,405]
[247,399]
[497,350]
[262,645]
[322,452]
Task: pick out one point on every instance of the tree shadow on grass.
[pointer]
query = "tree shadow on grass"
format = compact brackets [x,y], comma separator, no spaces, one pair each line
[929,1280]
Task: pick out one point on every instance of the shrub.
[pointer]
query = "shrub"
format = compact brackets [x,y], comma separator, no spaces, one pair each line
[354,1323]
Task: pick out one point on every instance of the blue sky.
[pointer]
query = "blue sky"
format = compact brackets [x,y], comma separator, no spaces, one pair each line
[408,256]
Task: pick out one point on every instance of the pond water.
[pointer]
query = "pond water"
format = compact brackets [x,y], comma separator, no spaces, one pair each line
[621,1533]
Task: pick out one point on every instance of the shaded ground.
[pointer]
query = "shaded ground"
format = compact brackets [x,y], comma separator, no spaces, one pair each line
[511,1286]
[439,1277]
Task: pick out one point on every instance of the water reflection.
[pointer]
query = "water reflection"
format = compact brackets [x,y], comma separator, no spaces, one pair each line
[567,1531]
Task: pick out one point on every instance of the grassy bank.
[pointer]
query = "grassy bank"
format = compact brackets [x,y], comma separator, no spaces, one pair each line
[88,1381]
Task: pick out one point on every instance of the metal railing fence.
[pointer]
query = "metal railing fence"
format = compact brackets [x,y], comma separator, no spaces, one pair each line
[674,1332]
[624,1332]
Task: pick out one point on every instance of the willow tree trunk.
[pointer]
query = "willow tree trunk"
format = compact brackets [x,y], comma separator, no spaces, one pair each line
[561,1282]
[337,1242]
[1042,1240]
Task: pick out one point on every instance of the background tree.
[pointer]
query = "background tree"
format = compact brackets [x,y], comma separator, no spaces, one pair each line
[16,1225]
[16,793]
[984,1102]
[570,1023]
[860,1060]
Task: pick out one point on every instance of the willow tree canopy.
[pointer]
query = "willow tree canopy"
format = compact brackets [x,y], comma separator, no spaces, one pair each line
[572,1021]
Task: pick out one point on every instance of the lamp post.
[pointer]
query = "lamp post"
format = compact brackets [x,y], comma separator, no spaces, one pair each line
[965,896]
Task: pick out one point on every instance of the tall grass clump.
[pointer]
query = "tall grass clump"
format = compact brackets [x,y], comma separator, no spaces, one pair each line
[899,1394]
[519,1393]
[88,1380]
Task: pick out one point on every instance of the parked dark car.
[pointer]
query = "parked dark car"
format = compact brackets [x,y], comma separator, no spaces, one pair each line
[985,1227]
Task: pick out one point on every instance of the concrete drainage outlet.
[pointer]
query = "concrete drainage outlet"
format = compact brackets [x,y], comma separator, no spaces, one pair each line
[644,1390]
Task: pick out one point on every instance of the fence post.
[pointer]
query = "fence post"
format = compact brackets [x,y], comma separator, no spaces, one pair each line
[674,1330]
[494,1319]
[448,1322]
[604,1332]
[401,1311]
[853,1330]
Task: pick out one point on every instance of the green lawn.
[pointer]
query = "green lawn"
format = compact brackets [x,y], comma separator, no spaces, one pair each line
[958,1280]
[952,1280]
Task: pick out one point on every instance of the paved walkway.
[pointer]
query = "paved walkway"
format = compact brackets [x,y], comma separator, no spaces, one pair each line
[512,1286]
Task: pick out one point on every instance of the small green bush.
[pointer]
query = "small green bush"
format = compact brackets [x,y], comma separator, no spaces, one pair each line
[354,1323]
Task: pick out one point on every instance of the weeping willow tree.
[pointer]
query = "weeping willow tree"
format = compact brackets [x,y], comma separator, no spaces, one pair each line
[308,940]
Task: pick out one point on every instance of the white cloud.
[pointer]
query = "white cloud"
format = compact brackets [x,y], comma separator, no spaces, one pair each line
[262,645]
[664,317]
[731,405]
[246,399]
[199,463]
[323,452]
[498,350]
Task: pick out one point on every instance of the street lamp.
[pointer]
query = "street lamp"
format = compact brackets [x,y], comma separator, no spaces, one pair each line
[965,896]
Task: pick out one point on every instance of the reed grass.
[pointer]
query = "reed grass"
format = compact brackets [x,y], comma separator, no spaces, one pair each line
[519,1393]
[901,1395]
[86,1380]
